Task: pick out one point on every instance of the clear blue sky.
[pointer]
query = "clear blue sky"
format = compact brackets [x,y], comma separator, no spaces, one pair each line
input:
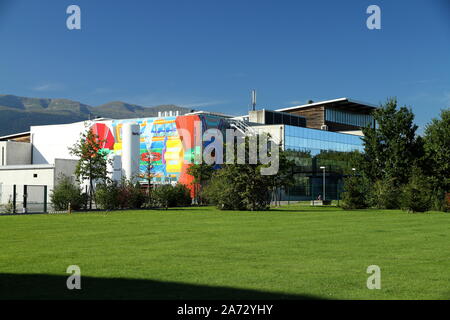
[209,54]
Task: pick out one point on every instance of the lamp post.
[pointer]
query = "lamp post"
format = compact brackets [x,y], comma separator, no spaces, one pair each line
[323,168]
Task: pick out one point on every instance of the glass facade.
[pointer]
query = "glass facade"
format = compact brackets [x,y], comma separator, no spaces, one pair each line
[350,118]
[311,149]
[316,141]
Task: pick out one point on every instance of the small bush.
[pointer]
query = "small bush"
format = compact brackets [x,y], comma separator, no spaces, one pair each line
[354,195]
[65,192]
[131,195]
[417,194]
[107,196]
[385,195]
[9,207]
[162,195]
[439,202]
[181,196]
[126,195]
[166,196]
[222,193]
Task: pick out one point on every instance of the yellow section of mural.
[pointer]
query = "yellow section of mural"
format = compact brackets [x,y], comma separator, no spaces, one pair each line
[174,155]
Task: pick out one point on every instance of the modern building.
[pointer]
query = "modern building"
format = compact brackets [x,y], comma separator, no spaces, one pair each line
[315,135]
[339,115]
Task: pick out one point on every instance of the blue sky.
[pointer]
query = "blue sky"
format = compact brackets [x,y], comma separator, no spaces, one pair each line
[209,54]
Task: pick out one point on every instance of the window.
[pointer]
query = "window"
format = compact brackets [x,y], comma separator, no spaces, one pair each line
[350,118]
[35,175]
[316,140]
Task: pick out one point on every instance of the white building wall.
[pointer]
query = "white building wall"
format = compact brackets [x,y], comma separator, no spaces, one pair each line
[33,175]
[53,142]
[21,175]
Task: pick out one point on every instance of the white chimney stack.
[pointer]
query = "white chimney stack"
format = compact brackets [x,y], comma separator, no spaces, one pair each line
[131,150]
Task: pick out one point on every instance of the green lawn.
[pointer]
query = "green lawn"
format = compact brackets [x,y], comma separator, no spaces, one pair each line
[295,252]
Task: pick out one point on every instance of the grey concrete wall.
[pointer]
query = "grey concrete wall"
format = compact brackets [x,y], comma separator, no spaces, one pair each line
[64,167]
[15,153]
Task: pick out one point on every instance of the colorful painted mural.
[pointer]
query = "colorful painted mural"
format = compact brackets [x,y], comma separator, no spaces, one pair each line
[162,143]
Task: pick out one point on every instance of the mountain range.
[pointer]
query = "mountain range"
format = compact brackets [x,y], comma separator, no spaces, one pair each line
[17,114]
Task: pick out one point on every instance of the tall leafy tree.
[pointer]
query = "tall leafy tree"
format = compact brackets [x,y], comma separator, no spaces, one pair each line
[391,148]
[92,162]
[437,151]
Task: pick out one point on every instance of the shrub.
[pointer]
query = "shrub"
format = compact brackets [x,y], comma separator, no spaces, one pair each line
[132,195]
[161,195]
[166,196]
[181,196]
[438,203]
[65,192]
[385,195]
[223,193]
[417,194]
[107,196]
[354,195]
[126,195]
[9,207]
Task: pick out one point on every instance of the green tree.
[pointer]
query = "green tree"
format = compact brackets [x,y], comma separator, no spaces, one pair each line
[67,192]
[201,173]
[227,188]
[244,187]
[391,148]
[124,195]
[354,195]
[166,196]
[92,162]
[417,195]
[107,196]
[384,194]
[437,153]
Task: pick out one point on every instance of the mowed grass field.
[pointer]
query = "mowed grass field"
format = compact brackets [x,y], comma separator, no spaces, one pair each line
[296,252]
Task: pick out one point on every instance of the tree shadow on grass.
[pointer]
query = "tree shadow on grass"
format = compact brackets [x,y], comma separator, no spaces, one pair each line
[53,287]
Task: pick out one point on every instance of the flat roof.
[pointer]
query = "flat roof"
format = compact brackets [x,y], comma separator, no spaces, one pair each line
[212,113]
[15,135]
[28,167]
[343,103]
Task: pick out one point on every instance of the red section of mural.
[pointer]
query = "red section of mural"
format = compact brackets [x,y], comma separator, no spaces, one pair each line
[105,135]
[153,156]
[187,179]
[185,125]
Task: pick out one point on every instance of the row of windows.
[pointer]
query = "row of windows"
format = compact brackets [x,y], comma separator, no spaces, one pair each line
[314,134]
[271,117]
[315,141]
[315,151]
[317,146]
[344,117]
